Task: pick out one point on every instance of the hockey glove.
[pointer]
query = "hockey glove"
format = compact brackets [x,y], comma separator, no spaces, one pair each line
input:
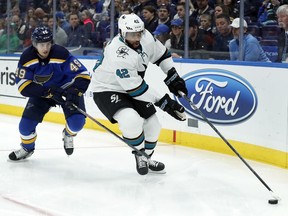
[55,94]
[175,83]
[171,107]
[72,97]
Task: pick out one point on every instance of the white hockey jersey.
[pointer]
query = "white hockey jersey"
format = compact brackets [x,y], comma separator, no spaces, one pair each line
[122,68]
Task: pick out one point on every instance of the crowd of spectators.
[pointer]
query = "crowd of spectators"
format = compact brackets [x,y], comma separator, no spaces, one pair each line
[86,23]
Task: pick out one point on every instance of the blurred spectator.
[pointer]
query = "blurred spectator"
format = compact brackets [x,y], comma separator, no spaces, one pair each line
[2,26]
[75,32]
[176,41]
[126,11]
[118,7]
[96,6]
[223,36]
[251,8]
[202,8]
[191,6]
[164,15]
[61,21]
[162,33]
[78,4]
[102,30]
[21,28]
[205,22]
[45,19]
[33,21]
[30,13]
[219,9]
[169,5]
[15,11]
[150,18]
[193,35]
[205,34]
[267,12]
[14,41]
[41,16]
[181,11]
[45,5]
[282,14]
[3,7]
[89,27]
[252,50]
[131,4]
[142,3]
[60,36]
[64,7]
[231,5]
[61,4]
[74,8]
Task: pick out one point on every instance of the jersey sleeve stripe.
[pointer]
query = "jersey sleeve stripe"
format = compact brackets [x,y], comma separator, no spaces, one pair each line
[22,84]
[84,76]
[166,55]
[139,90]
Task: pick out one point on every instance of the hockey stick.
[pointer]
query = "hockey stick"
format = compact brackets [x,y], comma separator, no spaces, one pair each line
[110,131]
[230,146]
[75,49]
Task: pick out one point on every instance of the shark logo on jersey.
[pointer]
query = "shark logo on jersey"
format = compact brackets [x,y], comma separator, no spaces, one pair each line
[115,98]
[122,51]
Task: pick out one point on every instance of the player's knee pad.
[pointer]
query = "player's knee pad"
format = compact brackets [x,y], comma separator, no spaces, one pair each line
[75,123]
[130,122]
[152,128]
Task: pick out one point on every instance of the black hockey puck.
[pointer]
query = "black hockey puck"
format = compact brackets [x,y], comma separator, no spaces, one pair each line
[273,201]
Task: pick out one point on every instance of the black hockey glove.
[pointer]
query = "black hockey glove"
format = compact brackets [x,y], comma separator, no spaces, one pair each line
[55,93]
[72,97]
[171,107]
[175,83]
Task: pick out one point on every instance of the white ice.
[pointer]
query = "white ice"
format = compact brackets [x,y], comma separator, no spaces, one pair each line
[100,179]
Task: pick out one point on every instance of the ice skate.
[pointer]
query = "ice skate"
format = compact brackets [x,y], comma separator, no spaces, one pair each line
[156,166]
[68,142]
[141,163]
[20,154]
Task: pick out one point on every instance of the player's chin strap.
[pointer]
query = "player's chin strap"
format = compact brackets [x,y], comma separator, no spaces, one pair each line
[226,141]
[110,131]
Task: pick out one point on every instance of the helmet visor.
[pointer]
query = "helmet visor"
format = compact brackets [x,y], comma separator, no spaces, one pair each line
[133,36]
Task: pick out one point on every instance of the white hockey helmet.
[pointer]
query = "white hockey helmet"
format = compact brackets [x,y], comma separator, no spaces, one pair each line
[130,23]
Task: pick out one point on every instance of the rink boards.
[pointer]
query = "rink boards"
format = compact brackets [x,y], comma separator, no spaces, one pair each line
[246,102]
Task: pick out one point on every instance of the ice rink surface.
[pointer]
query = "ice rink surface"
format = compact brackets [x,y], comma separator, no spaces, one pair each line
[100,179]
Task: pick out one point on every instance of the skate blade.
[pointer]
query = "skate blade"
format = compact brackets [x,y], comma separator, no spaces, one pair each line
[18,161]
[157,172]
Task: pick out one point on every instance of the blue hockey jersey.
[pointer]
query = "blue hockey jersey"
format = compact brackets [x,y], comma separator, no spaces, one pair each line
[59,69]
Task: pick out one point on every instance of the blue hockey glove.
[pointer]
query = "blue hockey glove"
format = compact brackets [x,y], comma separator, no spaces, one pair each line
[171,107]
[55,94]
[72,97]
[175,83]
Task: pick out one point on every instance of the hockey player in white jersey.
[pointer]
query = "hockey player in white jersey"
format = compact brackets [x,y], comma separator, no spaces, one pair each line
[123,96]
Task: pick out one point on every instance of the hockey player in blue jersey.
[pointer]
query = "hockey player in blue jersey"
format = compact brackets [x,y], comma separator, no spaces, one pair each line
[49,75]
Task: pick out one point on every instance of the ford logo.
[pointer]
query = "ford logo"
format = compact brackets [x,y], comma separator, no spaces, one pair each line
[222,96]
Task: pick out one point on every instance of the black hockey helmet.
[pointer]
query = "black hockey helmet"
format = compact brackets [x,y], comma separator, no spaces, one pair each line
[42,34]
